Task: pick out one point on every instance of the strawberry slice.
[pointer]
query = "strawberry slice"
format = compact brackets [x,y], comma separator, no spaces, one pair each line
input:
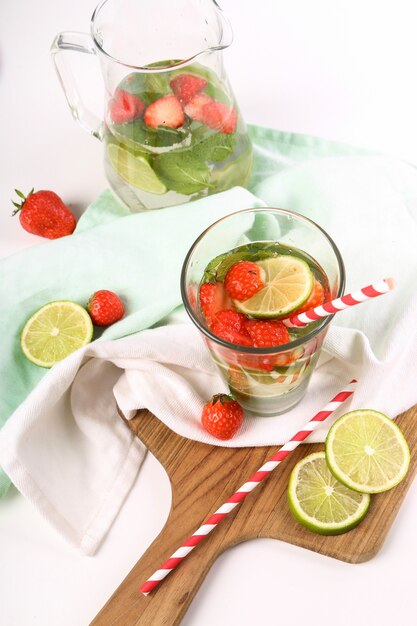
[186,86]
[194,108]
[218,116]
[166,111]
[213,299]
[125,107]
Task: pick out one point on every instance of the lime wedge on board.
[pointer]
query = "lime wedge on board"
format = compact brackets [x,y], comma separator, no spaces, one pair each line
[366,451]
[320,502]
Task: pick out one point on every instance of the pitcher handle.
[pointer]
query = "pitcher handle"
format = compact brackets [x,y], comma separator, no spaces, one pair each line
[78,42]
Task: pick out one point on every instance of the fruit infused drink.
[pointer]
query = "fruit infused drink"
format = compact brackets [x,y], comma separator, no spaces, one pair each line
[244,294]
[173,135]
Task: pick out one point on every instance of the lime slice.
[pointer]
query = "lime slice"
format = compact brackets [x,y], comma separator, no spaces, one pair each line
[320,502]
[135,170]
[54,331]
[288,284]
[367,451]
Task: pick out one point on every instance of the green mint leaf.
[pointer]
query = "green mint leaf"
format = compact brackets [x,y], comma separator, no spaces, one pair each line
[150,96]
[149,85]
[181,172]
[137,135]
[158,83]
[217,147]
[133,83]
[199,132]
[217,269]
[214,88]
[144,86]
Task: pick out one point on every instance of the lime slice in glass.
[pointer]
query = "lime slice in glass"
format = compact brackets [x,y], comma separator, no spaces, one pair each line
[320,502]
[135,170]
[366,451]
[288,284]
[54,331]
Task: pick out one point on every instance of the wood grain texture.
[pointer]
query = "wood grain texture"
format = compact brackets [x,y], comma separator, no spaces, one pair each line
[202,477]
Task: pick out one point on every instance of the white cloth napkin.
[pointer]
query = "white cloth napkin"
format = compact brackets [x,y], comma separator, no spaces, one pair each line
[67,449]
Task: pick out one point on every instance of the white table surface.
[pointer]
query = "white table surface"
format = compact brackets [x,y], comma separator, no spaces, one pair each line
[342,70]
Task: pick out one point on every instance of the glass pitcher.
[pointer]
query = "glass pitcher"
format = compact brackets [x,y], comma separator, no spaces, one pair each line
[172,130]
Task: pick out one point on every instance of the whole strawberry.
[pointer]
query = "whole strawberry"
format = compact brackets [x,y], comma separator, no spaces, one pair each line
[186,86]
[230,325]
[218,116]
[243,280]
[213,298]
[194,108]
[267,333]
[43,213]
[105,308]
[222,416]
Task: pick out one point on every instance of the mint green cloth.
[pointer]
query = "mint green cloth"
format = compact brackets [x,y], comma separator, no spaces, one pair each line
[139,256]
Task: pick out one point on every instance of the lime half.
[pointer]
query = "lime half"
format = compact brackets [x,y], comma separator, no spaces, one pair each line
[288,284]
[54,331]
[320,502]
[135,170]
[367,451]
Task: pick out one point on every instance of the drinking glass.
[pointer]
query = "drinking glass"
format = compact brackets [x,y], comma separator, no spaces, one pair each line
[266,381]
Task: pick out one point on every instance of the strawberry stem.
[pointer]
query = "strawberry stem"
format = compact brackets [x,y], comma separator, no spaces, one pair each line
[21,195]
[222,398]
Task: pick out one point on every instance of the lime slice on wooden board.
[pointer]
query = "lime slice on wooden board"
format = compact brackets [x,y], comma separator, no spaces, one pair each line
[288,284]
[366,451]
[135,170]
[320,502]
[56,330]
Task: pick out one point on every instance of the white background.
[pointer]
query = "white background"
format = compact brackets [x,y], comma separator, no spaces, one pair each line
[344,70]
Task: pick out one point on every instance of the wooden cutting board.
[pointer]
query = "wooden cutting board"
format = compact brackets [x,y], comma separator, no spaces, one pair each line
[202,478]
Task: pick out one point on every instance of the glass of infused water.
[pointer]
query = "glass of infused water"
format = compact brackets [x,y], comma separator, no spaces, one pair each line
[242,277]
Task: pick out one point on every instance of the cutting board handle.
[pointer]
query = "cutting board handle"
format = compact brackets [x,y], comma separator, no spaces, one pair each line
[168,602]
[201,478]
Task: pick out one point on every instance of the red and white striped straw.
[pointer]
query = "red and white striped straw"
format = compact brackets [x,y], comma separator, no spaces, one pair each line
[339,304]
[238,497]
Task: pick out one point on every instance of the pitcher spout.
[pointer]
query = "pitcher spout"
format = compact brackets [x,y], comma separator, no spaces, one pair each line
[142,35]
